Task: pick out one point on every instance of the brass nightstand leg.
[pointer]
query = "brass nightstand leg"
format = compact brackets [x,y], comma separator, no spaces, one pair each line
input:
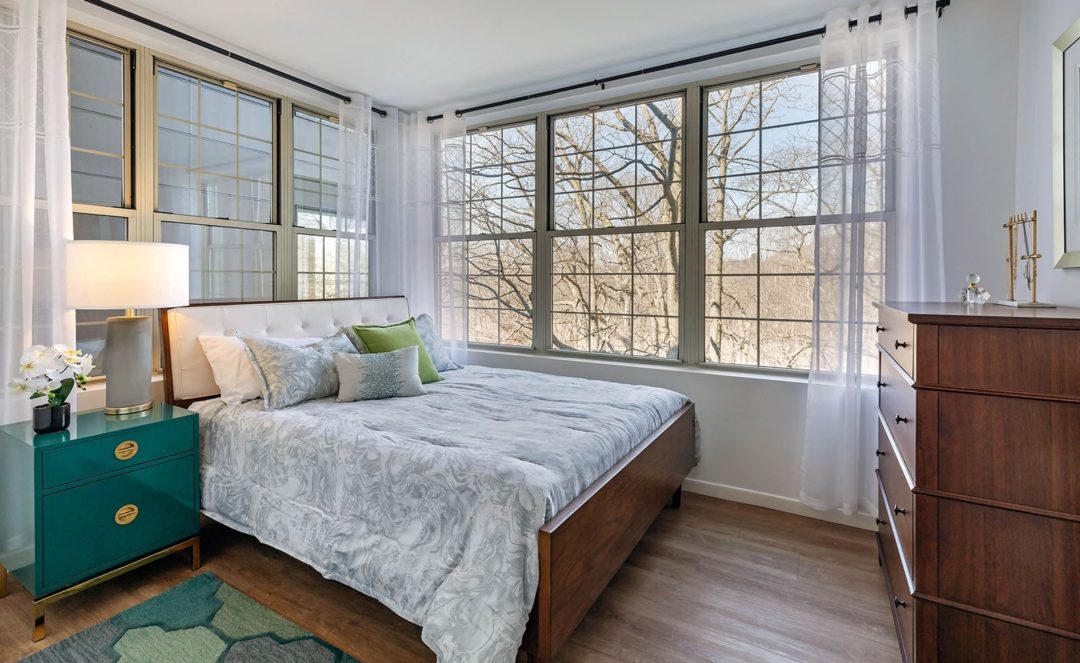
[3,581]
[196,554]
[39,621]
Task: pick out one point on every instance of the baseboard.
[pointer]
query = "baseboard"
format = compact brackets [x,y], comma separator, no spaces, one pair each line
[776,502]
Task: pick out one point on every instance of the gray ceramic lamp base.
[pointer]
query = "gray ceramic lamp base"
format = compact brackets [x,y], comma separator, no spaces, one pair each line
[128,367]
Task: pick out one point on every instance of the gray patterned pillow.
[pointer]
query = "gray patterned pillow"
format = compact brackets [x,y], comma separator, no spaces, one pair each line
[289,375]
[429,334]
[369,376]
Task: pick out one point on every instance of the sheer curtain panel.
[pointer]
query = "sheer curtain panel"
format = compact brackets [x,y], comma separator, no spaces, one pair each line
[419,247]
[879,230]
[353,226]
[35,186]
[35,222]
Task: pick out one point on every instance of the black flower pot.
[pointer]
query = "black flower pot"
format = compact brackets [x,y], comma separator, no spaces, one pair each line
[52,418]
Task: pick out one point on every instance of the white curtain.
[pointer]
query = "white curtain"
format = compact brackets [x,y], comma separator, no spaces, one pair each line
[35,222]
[419,244]
[351,252]
[879,230]
[35,186]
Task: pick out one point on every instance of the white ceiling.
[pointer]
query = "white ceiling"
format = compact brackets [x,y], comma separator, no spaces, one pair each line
[417,54]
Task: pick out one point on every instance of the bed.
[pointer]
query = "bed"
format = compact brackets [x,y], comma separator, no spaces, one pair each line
[455,509]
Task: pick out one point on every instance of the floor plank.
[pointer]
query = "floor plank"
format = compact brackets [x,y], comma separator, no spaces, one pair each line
[712,581]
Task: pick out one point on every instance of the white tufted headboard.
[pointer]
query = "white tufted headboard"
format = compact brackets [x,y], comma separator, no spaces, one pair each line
[187,373]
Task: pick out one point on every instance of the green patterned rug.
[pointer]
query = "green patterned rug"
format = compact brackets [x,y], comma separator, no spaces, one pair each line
[201,620]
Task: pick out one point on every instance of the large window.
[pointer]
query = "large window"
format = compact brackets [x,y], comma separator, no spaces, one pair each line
[500,220]
[761,156]
[617,212]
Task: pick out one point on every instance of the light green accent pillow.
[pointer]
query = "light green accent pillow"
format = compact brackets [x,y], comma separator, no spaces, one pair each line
[394,337]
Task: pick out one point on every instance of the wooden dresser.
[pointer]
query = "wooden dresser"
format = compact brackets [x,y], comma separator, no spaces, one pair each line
[979,480]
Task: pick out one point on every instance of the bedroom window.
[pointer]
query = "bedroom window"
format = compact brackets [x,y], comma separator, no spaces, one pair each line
[762,183]
[316,151]
[500,215]
[215,147]
[617,214]
[761,187]
[99,103]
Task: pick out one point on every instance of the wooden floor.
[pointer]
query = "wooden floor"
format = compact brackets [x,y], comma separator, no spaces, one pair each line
[712,581]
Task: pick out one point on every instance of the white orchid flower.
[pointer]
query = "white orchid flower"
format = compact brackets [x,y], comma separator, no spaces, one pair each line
[41,365]
[18,386]
[35,383]
[86,364]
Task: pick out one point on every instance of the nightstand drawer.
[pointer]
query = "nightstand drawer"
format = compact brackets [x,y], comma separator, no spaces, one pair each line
[107,522]
[134,446]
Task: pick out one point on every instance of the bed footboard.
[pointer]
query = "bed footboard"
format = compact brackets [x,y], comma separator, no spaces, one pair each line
[584,545]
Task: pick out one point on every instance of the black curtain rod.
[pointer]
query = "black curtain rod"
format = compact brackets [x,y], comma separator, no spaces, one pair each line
[602,82]
[227,53]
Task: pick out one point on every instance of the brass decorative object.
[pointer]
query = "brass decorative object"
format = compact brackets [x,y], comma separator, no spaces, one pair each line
[1015,229]
[126,514]
[126,450]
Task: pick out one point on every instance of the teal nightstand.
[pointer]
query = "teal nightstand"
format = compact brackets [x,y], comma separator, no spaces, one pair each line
[106,496]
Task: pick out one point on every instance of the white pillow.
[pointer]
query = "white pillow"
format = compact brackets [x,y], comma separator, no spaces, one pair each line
[233,373]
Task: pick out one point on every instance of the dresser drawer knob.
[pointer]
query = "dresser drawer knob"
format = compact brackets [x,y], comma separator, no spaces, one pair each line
[879,521]
[879,328]
[126,514]
[126,450]
[898,603]
[879,452]
[901,420]
[882,384]
[900,344]
[899,510]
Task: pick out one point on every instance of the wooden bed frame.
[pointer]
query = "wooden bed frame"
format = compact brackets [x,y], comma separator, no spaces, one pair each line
[586,543]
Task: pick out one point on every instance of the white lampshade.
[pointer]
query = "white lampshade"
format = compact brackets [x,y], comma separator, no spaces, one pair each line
[114,275]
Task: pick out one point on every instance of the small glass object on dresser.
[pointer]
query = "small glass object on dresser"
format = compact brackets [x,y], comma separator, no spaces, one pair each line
[973,293]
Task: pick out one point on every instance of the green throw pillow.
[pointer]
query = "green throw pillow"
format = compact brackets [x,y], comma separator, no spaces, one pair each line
[395,337]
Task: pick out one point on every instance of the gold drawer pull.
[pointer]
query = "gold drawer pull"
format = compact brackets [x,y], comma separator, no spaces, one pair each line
[126,450]
[127,514]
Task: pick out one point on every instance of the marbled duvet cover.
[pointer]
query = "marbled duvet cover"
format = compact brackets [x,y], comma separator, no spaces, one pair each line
[430,504]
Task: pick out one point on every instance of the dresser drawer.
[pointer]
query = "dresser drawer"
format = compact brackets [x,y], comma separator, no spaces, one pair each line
[896,401]
[106,453]
[897,337]
[897,500]
[903,606]
[1020,565]
[82,526]
[1016,450]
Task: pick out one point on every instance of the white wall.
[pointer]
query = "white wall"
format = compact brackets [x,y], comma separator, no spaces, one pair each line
[1041,23]
[752,426]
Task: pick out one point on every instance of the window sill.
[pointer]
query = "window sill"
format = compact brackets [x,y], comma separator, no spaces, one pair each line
[531,356]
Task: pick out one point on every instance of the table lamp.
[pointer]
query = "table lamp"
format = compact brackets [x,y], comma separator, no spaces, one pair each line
[103,275]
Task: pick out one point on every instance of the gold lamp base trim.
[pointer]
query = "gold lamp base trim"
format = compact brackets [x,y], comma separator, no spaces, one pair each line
[130,409]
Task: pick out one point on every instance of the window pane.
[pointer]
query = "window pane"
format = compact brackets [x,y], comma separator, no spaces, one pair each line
[227,264]
[619,166]
[625,287]
[317,261]
[214,151]
[90,325]
[97,115]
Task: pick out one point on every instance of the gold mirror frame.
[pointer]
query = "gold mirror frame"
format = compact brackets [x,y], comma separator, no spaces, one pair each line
[1062,258]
